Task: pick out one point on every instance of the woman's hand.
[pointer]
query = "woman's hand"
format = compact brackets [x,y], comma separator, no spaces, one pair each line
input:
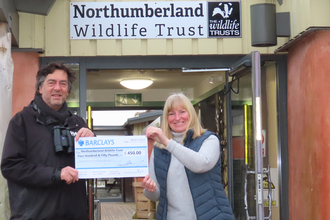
[157,134]
[148,184]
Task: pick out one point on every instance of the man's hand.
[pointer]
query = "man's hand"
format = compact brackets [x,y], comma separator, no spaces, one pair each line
[84,132]
[69,174]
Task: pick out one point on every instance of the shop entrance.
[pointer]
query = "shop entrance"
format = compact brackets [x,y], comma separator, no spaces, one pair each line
[225,108]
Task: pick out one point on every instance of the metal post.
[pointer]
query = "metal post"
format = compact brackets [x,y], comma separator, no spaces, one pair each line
[90,199]
[82,87]
[90,181]
[256,90]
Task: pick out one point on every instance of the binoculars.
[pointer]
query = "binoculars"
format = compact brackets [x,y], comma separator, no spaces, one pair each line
[63,140]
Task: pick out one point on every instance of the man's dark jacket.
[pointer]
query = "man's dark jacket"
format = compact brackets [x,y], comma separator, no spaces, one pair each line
[32,169]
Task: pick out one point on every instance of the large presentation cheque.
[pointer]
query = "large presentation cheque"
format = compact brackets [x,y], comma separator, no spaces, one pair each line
[111,156]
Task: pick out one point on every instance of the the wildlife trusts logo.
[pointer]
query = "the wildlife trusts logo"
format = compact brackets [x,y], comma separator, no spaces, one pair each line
[227,10]
[224,19]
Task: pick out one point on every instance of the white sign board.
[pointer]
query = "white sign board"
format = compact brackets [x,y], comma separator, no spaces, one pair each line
[111,156]
[142,20]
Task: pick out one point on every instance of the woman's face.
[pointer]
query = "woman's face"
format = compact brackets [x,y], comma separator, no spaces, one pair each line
[178,119]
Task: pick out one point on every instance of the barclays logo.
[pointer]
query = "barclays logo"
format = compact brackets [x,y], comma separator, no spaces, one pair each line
[99,142]
[81,143]
[94,142]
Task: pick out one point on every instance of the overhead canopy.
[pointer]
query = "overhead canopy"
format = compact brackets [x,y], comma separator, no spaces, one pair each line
[9,13]
[41,7]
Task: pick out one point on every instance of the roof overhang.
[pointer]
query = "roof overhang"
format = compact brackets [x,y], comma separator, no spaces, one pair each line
[9,13]
[41,7]
[302,35]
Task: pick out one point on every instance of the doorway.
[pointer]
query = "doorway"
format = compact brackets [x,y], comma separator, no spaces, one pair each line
[86,65]
[244,156]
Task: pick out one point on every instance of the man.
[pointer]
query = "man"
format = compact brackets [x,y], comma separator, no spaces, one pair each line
[42,180]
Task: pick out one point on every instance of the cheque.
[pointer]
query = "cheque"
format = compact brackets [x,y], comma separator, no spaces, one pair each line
[111,156]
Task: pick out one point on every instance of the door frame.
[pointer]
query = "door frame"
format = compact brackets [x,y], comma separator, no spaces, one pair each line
[240,68]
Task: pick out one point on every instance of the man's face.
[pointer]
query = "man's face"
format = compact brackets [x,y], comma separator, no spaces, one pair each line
[55,89]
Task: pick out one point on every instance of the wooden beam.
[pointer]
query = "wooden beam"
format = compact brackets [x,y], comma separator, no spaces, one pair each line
[6,87]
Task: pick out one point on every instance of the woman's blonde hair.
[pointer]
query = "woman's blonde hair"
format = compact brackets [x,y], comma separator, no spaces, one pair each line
[177,100]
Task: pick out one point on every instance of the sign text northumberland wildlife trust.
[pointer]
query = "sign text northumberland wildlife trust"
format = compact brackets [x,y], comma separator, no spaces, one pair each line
[129,20]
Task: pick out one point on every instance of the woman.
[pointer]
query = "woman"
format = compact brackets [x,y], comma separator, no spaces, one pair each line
[185,168]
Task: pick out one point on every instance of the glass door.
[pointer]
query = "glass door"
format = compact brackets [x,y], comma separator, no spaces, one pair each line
[253,121]
[242,146]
